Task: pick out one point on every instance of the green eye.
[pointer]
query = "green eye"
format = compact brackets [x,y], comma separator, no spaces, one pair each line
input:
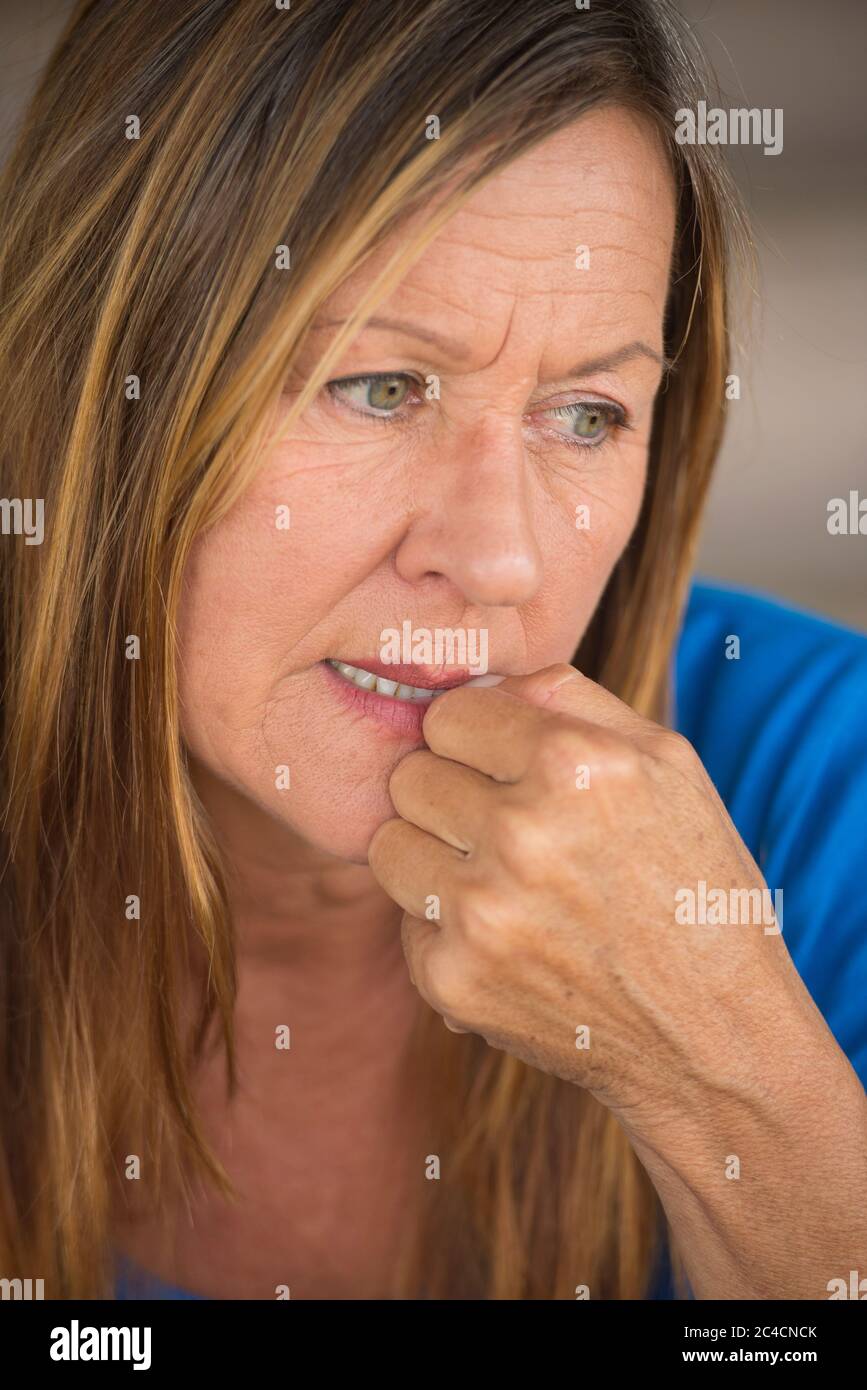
[387,393]
[589,421]
[384,394]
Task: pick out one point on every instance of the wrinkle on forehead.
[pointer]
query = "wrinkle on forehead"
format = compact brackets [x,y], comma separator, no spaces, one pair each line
[505,263]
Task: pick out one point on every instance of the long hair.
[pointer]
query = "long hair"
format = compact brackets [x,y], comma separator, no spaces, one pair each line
[170,150]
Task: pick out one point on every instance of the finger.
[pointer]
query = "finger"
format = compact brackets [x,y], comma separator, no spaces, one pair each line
[415,869]
[484,728]
[419,939]
[442,797]
[561,689]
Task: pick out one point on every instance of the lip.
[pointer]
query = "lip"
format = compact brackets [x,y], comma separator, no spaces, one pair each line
[402,719]
[425,677]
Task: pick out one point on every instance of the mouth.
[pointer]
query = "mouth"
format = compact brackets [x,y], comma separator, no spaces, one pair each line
[397,701]
[390,688]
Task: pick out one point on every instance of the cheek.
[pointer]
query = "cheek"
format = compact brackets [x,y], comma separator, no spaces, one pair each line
[613,504]
[596,523]
[260,608]
[228,629]
[260,587]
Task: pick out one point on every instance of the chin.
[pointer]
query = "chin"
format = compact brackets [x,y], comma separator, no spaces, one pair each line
[351,839]
[340,774]
[343,822]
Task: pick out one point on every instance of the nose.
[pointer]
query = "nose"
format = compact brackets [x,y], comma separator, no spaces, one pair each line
[473,519]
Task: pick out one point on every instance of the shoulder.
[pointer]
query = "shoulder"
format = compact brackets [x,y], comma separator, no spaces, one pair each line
[748,665]
[759,684]
[774,700]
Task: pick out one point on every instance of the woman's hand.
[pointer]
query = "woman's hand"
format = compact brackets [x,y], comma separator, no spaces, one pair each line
[555,833]
[542,841]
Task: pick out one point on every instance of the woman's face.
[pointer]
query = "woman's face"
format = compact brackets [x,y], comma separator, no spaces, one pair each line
[484,483]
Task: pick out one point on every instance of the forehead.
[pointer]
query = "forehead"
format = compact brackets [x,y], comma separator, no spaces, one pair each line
[576,233]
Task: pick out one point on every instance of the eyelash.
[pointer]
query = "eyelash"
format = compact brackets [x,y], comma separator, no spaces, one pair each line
[617,417]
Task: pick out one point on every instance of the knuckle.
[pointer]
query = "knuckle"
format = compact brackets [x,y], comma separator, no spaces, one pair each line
[482,920]
[557,753]
[541,685]
[514,830]
[559,670]
[608,754]
[616,759]
[445,985]
[676,749]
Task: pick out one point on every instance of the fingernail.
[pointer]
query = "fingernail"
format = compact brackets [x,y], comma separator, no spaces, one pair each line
[485,680]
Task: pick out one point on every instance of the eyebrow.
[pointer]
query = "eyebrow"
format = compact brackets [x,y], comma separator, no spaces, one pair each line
[452,348]
[627,353]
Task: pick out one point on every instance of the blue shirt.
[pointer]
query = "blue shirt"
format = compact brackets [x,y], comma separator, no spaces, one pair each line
[782,731]
[775,703]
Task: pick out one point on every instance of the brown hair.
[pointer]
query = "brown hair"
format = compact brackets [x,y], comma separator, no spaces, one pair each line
[154,256]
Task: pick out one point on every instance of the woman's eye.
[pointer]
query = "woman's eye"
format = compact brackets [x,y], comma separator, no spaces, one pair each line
[589,422]
[380,395]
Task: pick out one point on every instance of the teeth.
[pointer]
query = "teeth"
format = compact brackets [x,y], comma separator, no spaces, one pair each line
[366,680]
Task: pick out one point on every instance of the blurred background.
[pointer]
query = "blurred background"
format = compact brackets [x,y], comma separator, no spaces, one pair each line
[798,435]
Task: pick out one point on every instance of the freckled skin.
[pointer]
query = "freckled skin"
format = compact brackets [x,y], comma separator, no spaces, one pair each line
[464,517]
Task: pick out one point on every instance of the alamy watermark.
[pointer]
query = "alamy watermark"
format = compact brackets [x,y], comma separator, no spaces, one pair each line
[23,516]
[854,1287]
[740,126]
[439,646]
[720,907]
[25,1290]
[848,517]
[77,1343]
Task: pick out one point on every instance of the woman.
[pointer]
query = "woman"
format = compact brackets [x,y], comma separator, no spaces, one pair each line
[345,332]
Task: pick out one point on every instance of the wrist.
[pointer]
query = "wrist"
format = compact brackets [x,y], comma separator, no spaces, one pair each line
[762,1169]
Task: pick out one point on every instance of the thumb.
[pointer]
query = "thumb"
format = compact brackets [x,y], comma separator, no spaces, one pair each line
[562,689]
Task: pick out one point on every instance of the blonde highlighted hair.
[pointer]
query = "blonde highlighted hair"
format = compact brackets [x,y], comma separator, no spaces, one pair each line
[154,257]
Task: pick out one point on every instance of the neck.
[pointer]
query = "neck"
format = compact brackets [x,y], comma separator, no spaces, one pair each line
[318,954]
